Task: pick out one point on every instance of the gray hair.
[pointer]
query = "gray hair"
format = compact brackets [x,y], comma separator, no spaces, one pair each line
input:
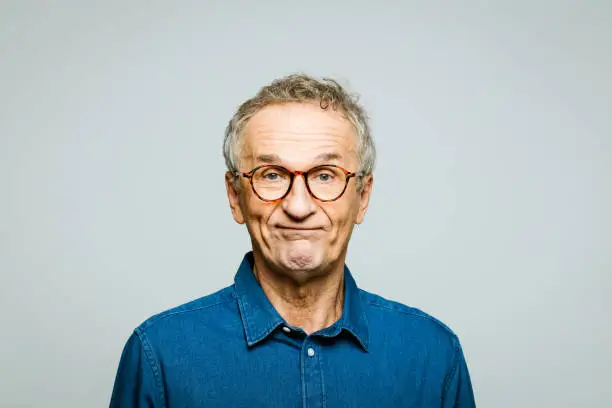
[302,88]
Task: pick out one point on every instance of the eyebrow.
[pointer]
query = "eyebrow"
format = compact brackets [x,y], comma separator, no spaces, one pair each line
[275,159]
[328,156]
[269,158]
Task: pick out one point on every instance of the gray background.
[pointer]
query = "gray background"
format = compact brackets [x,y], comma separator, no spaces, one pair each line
[492,206]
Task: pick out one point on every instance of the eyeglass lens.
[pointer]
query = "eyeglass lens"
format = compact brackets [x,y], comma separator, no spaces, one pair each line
[324,182]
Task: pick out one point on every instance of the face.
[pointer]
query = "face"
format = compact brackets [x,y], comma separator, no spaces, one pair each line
[299,236]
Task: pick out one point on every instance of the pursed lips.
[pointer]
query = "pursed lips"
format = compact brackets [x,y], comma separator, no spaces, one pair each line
[284,227]
[297,232]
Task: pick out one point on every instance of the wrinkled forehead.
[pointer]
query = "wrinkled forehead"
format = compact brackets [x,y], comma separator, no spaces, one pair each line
[298,135]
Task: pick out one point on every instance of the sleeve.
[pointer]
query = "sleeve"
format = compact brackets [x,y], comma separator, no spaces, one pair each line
[136,383]
[458,391]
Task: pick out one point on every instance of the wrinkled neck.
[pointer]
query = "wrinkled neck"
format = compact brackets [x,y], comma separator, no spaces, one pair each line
[312,305]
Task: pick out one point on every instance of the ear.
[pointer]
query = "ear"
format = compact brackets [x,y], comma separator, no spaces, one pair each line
[364,197]
[233,196]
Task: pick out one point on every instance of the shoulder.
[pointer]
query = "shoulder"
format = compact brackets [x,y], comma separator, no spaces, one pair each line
[399,316]
[209,308]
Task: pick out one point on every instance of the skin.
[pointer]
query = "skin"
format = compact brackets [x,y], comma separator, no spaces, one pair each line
[300,243]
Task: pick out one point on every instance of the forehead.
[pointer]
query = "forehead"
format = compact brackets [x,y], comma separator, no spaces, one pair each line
[298,134]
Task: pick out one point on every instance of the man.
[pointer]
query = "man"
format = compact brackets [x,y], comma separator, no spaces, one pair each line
[294,330]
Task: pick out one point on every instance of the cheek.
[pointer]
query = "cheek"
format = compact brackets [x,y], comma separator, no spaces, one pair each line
[343,217]
[257,212]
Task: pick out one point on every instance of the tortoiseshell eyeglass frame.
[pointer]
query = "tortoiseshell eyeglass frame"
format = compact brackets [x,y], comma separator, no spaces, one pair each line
[347,174]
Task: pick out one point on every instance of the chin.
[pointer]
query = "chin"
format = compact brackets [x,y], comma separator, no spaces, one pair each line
[302,257]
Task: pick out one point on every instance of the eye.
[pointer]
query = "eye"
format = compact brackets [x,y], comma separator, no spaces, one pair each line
[324,176]
[271,176]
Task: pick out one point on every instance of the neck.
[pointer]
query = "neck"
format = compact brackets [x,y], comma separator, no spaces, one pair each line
[312,304]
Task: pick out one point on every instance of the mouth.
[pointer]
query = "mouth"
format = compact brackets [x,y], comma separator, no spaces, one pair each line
[289,228]
[291,233]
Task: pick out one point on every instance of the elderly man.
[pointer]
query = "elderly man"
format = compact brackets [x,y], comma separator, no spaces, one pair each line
[294,330]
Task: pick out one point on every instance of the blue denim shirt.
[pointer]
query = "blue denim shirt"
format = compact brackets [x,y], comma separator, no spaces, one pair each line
[233,349]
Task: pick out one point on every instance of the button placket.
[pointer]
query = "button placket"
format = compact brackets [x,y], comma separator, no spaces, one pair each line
[312,380]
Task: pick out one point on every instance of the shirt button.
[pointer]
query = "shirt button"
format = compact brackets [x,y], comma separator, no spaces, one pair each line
[286,329]
[311,352]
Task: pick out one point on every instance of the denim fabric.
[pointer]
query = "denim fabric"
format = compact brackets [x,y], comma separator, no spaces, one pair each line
[232,349]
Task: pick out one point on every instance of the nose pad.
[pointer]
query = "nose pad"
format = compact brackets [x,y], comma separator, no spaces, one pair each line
[299,203]
[299,184]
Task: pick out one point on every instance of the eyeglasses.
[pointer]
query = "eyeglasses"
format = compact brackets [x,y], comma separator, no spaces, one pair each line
[272,183]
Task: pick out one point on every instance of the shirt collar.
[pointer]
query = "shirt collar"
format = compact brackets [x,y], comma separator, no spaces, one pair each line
[259,317]
[354,319]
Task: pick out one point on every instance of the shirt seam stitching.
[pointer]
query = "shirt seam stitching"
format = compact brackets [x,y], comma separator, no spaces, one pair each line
[321,368]
[155,320]
[244,314]
[407,312]
[148,349]
[451,374]
[302,375]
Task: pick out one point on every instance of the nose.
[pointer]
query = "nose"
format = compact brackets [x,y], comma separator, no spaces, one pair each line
[299,204]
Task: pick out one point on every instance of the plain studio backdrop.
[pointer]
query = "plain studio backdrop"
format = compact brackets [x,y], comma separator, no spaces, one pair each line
[492,204]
